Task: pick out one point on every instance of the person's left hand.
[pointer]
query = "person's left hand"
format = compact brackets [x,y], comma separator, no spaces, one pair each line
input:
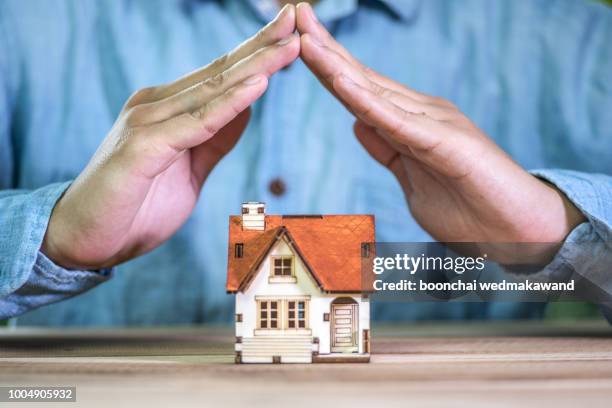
[460,186]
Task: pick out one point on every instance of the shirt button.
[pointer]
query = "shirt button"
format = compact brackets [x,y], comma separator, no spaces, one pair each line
[277,187]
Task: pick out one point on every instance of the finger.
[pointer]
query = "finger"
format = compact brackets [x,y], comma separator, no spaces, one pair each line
[192,129]
[281,27]
[328,64]
[414,130]
[383,153]
[409,104]
[307,23]
[266,61]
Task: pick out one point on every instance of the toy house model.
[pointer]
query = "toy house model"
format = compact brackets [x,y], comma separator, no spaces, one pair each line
[298,286]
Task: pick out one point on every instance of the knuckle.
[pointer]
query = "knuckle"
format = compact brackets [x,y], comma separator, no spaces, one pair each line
[197,114]
[209,129]
[382,92]
[141,96]
[203,122]
[220,62]
[368,72]
[216,81]
[135,115]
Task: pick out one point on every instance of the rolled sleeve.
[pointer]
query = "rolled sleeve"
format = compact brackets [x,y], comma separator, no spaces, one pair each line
[27,278]
[587,250]
[48,283]
[590,193]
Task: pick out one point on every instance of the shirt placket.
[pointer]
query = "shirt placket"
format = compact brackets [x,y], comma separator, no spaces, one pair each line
[278,184]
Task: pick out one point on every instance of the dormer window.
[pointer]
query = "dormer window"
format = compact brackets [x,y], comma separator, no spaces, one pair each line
[283,266]
[282,269]
[238,250]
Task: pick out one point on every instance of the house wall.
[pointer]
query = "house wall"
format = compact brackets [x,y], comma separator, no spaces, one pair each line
[304,287]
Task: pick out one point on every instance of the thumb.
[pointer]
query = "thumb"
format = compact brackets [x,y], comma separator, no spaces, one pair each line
[383,153]
[205,156]
[375,145]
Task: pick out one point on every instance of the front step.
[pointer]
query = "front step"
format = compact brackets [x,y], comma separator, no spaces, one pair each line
[268,349]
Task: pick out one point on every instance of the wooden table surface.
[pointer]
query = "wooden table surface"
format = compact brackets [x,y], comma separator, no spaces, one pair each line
[501,364]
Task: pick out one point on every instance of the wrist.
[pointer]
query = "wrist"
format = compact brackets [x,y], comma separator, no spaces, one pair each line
[58,246]
[53,251]
[567,215]
[554,218]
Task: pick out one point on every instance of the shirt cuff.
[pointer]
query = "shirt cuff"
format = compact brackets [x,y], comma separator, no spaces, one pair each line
[50,283]
[24,216]
[586,252]
[590,193]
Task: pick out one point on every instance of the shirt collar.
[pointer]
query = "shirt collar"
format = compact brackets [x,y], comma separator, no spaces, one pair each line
[330,10]
[327,10]
[405,9]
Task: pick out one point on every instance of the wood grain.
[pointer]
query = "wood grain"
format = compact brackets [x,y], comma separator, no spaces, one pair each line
[512,364]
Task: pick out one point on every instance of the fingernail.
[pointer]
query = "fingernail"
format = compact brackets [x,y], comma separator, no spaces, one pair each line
[285,41]
[252,80]
[282,11]
[312,13]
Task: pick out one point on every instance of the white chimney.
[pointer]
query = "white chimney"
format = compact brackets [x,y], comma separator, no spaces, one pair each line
[254,216]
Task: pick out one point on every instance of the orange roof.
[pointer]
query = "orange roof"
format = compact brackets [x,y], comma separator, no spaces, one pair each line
[329,245]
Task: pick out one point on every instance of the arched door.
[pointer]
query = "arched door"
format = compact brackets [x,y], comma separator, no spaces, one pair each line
[344,325]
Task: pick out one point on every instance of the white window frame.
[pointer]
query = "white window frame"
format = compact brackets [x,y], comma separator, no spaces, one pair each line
[296,319]
[283,316]
[269,317]
[273,278]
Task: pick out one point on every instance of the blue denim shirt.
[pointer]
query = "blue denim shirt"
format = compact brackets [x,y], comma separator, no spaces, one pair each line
[534,74]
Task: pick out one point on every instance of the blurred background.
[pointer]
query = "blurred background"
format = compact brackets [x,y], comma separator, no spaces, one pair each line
[561,310]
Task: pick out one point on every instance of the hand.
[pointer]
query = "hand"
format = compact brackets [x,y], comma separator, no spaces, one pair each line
[460,186]
[143,181]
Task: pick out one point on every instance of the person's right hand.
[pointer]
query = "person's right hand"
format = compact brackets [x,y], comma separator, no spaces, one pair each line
[144,180]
